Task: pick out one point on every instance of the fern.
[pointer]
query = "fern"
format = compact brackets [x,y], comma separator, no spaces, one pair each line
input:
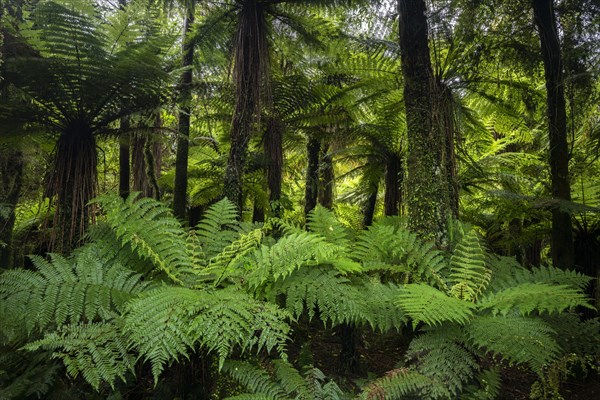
[517,339]
[217,229]
[96,351]
[423,303]
[322,222]
[255,379]
[166,323]
[62,290]
[528,297]
[468,273]
[151,231]
[397,384]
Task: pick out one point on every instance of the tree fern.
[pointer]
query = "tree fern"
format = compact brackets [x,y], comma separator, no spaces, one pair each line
[396,385]
[217,229]
[324,223]
[468,272]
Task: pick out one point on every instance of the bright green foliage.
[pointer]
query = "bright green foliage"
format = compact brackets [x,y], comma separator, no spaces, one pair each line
[217,228]
[518,339]
[322,222]
[529,297]
[396,385]
[97,351]
[80,288]
[423,303]
[285,382]
[468,273]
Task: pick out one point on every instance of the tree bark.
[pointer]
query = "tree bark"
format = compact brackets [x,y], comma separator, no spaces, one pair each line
[393,180]
[427,188]
[183,138]
[369,210]
[273,149]
[124,157]
[11,179]
[326,177]
[313,150]
[251,77]
[563,253]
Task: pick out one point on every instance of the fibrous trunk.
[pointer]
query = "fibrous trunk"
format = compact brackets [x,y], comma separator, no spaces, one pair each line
[251,78]
[427,187]
[326,177]
[563,253]
[124,157]
[74,183]
[274,154]
[181,160]
[146,162]
[393,180]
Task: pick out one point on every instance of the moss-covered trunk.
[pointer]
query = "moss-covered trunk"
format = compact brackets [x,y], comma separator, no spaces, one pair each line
[563,253]
[427,188]
[124,158]
[251,78]
[393,180]
[183,137]
[326,177]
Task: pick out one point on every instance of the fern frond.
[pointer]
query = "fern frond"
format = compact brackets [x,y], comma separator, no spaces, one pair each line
[255,379]
[468,272]
[488,389]
[516,339]
[149,228]
[165,323]
[96,351]
[528,297]
[62,290]
[423,303]
[440,356]
[322,222]
[218,227]
[396,385]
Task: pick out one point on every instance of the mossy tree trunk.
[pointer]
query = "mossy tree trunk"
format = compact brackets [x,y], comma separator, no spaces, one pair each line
[251,65]
[183,137]
[326,177]
[273,148]
[427,188]
[124,158]
[146,161]
[563,253]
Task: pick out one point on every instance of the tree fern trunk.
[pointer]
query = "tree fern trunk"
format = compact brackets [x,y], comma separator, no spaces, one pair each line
[273,149]
[313,150]
[124,156]
[326,178]
[251,77]
[427,188]
[563,253]
[181,160]
[369,210]
[11,179]
[393,181]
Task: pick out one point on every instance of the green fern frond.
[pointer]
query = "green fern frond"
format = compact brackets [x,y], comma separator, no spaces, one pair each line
[255,379]
[166,323]
[218,227]
[234,254]
[322,222]
[80,288]
[441,357]
[423,303]
[488,387]
[149,228]
[528,297]
[96,351]
[517,339]
[396,385]
[468,272]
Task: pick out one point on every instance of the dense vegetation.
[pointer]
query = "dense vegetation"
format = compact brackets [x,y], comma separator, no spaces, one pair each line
[303,199]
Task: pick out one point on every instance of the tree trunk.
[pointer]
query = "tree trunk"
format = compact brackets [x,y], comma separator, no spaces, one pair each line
[563,253]
[11,179]
[124,156]
[146,161]
[251,77]
[448,128]
[74,183]
[181,160]
[427,188]
[313,150]
[273,149]
[327,178]
[393,180]
[369,210]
